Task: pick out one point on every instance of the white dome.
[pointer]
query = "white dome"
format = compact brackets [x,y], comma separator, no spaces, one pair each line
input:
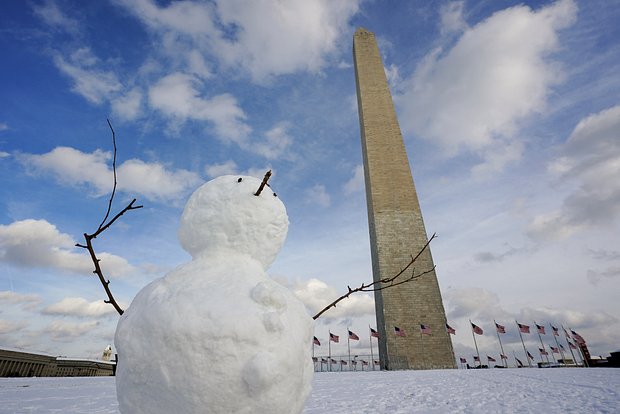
[225,215]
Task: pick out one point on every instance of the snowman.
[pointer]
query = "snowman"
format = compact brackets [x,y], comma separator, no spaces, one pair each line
[217,335]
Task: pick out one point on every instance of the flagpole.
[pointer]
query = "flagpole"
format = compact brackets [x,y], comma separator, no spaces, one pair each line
[556,341]
[313,360]
[529,362]
[422,346]
[504,362]
[349,346]
[329,346]
[515,357]
[541,344]
[471,325]
[567,343]
[395,350]
[553,356]
[583,358]
[372,358]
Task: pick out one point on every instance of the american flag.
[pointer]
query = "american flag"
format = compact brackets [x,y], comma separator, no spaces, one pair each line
[561,347]
[334,361]
[543,352]
[555,350]
[529,355]
[374,333]
[555,330]
[376,362]
[578,338]
[450,330]
[566,333]
[343,362]
[353,362]
[316,341]
[353,336]
[398,331]
[541,329]
[364,362]
[491,359]
[500,328]
[572,345]
[476,329]
[523,328]
[519,362]
[323,361]
[476,358]
[502,356]
[334,338]
[425,329]
[314,359]
[463,360]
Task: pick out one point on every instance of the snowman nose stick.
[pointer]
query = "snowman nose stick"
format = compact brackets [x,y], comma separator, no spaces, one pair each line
[262,185]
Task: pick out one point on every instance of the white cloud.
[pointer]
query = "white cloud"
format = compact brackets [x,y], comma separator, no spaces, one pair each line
[276,142]
[451,15]
[3,126]
[569,318]
[264,38]
[68,331]
[8,327]
[80,307]
[10,297]
[73,167]
[92,83]
[216,170]
[4,154]
[37,243]
[178,96]
[54,17]
[591,159]
[154,181]
[596,276]
[316,294]
[356,183]
[318,195]
[127,107]
[473,96]
[476,303]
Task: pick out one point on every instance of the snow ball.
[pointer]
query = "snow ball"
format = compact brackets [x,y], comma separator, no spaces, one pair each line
[224,215]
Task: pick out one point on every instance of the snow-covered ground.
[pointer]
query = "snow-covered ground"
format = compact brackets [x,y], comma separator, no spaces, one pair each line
[576,390]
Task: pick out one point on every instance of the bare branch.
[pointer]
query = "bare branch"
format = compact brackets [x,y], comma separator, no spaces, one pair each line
[384,283]
[103,226]
[262,185]
[114,171]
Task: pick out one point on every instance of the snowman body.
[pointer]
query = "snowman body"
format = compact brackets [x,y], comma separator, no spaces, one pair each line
[217,335]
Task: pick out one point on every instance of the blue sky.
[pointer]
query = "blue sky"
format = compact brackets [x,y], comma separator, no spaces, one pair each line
[510,112]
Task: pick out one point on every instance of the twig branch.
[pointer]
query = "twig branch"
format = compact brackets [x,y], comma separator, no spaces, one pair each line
[262,184]
[114,171]
[384,283]
[103,226]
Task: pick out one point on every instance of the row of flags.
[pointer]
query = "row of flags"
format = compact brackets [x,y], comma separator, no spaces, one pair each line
[540,330]
[342,361]
[424,330]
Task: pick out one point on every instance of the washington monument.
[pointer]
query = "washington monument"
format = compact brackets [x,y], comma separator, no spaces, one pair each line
[396,227]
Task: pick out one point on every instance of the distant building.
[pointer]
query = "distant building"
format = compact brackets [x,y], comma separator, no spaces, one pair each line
[17,363]
[107,353]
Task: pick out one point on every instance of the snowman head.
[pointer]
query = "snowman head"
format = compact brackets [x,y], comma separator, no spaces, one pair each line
[225,216]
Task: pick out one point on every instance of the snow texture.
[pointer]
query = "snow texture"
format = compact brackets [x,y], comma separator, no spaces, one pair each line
[526,390]
[217,335]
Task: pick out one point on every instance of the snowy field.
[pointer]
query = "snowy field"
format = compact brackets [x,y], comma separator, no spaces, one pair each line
[569,390]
